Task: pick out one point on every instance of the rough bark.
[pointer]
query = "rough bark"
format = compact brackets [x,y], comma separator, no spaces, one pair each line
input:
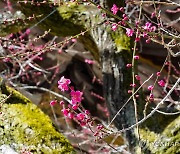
[115,51]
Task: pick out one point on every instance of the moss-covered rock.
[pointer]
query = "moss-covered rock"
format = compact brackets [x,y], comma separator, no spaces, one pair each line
[165,141]
[24,126]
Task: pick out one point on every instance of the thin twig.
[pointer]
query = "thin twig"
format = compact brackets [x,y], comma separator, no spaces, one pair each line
[166,113]
[152,112]
[150,3]
[129,100]
[47,90]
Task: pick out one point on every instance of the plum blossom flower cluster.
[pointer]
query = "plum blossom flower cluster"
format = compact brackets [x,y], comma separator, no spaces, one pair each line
[114,9]
[148,27]
[125,18]
[63,84]
[129,32]
[141,30]
[73,111]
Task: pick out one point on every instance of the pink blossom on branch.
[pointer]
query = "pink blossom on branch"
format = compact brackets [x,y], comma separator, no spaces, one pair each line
[147,26]
[76,96]
[136,57]
[158,73]
[114,26]
[89,61]
[114,9]
[137,77]
[129,32]
[65,112]
[80,116]
[151,87]
[52,103]
[63,84]
[161,83]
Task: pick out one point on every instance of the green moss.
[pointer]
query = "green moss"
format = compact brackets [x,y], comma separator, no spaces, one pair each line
[121,40]
[23,125]
[162,142]
[68,12]
[173,128]
[15,96]
[145,133]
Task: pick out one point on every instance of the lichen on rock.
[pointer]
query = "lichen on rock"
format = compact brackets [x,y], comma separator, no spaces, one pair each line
[166,141]
[24,126]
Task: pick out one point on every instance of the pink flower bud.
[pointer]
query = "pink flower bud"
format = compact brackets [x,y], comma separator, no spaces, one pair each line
[70,115]
[80,116]
[65,112]
[129,65]
[151,87]
[151,97]
[98,6]
[137,77]
[133,85]
[61,103]
[99,127]
[83,123]
[161,83]
[96,133]
[86,112]
[59,51]
[52,103]
[121,9]
[74,40]
[158,73]
[114,26]
[136,57]
[129,91]
[75,107]
[136,96]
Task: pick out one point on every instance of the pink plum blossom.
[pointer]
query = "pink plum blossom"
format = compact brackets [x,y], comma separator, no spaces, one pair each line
[136,57]
[63,84]
[75,107]
[129,32]
[151,87]
[137,77]
[114,26]
[65,112]
[128,65]
[158,73]
[76,96]
[52,103]
[161,83]
[80,116]
[114,9]
[147,26]
[151,97]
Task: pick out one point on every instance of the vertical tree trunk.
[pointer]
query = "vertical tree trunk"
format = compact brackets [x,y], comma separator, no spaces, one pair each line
[116,78]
